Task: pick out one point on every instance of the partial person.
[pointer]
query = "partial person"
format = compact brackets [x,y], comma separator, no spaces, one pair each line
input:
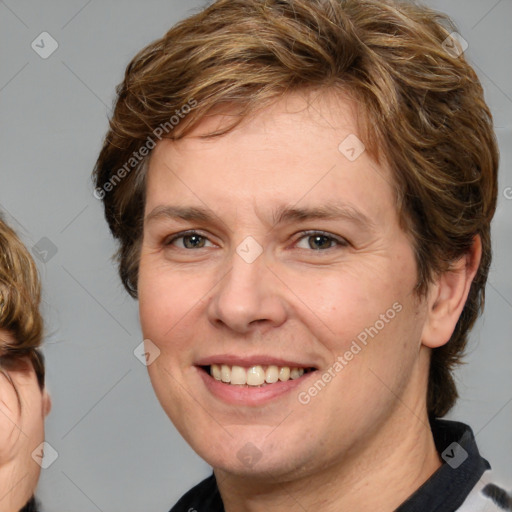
[24,400]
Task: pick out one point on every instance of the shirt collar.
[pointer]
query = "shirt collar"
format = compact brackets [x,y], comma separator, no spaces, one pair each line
[463,466]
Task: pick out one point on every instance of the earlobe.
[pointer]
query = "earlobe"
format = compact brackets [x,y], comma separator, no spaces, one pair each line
[448,295]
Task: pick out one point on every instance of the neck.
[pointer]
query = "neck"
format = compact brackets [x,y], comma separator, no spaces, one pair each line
[383,474]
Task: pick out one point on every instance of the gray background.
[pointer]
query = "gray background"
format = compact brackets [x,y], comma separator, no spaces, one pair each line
[117,449]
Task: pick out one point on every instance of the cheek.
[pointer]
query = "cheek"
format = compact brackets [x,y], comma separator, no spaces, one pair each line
[333,307]
[28,419]
[169,299]
[8,400]
[159,294]
[33,414]
[9,419]
[342,302]
[365,314]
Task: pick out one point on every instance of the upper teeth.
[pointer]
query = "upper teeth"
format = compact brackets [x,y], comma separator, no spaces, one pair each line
[255,375]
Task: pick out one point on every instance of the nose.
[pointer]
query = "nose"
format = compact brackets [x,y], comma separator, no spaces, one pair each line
[249,295]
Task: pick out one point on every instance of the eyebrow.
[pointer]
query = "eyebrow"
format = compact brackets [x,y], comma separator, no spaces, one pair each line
[281,215]
[334,211]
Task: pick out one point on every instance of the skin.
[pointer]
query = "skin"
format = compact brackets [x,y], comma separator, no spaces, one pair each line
[21,431]
[363,442]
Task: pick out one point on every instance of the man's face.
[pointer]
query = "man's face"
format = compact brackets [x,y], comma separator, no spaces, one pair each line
[21,432]
[274,246]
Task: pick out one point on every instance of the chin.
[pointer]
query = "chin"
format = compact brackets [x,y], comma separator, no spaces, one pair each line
[249,453]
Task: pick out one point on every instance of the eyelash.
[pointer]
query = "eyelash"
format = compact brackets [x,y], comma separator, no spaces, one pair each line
[340,242]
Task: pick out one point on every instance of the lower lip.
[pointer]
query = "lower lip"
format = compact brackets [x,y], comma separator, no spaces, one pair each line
[250,395]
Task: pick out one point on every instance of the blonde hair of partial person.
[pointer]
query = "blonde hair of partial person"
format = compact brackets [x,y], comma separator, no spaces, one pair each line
[20,295]
[421,109]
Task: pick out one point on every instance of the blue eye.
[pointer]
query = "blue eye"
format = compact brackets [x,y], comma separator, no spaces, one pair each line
[311,240]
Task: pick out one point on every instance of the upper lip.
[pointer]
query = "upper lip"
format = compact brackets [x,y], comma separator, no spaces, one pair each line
[248,361]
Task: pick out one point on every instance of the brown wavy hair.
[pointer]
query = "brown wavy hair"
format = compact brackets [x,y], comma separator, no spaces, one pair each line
[20,295]
[421,109]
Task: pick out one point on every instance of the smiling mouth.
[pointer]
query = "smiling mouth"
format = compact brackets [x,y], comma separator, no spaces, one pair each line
[254,376]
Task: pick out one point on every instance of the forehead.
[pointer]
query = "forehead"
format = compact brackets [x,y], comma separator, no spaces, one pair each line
[305,148]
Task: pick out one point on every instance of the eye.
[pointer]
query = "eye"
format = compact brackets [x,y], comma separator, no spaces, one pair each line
[315,240]
[319,241]
[189,240]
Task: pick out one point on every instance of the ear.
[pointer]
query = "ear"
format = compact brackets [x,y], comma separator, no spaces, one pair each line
[47,403]
[447,297]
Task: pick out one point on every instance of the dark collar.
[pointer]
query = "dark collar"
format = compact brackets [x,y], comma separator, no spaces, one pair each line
[463,466]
